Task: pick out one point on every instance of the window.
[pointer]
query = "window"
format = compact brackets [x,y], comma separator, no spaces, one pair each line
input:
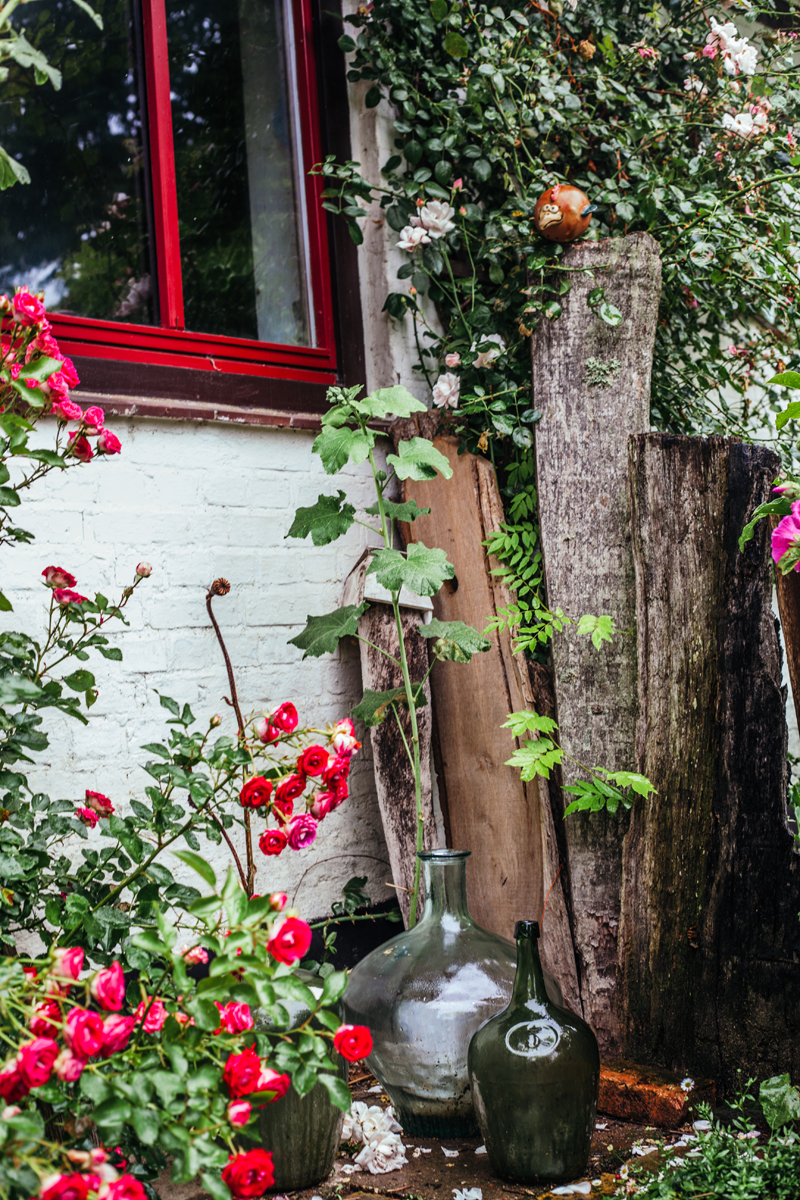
[170,218]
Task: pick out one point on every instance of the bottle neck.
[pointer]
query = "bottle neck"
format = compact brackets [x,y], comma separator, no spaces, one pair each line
[529,980]
[445,882]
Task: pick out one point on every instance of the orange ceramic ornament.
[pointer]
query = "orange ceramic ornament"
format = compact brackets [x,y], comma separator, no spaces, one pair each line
[562,213]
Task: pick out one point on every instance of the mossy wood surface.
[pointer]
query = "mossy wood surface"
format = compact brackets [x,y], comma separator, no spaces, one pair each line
[709,937]
[591,382]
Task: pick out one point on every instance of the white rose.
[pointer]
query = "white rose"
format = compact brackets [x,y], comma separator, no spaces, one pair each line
[436,216]
[486,357]
[446,390]
[410,238]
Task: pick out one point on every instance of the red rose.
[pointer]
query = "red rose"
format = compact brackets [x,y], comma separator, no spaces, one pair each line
[65,1187]
[249,1175]
[313,760]
[272,841]
[35,1061]
[353,1042]
[271,1081]
[108,987]
[83,1032]
[256,792]
[241,1073]
[124,1188]
[46,1019]
[283,806]
[68,964]
[278,901]
[80,447]
[234,1018]
[338,770]
[88,816]
[290,788]
[324,802]
[57,577]
[27,309]
[340,792]
[153,1013]
[301,831]
[239,1112]
[265,731]
[285,718]
[99,803]
[290,941]
[116,1034]
[66,596]
[12,1085]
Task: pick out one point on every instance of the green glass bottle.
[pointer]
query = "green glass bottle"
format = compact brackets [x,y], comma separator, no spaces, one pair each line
[534,1070]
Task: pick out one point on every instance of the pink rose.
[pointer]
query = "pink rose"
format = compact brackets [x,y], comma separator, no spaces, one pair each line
[116,1034]
[787,534]
[94,417]
[79,447]
[83,1032]
[196,955]
[285,718]
[239,1112]
[65,1187]
[324,802]
[156,1014]
[68,964]
[99,803]
[108,987]
[27,309]
[12,1085]
[35,1061]
[144,570]
[452,360]
[278,901]
[14,370]
[66,596]
[68,410]
[68,371]
[124,1188]
[265,731]
[68,1066]
[301,831]
[344,738]
[108,443]
[87,816]
[271,1081]
[46,1019]
[57,577]
[290,941]
[235,1017]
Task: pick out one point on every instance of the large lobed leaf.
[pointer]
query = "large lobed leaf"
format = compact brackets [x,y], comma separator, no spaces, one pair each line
[326,520]
[456,642]
[419,459]
[323,634]
[421,570]
[389,402]
[338,444]
[375,707]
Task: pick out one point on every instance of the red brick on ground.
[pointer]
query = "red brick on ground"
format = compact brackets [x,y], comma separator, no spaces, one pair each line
[649,1095]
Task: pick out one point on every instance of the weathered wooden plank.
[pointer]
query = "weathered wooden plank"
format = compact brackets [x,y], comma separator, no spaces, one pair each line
[709,937]
[592,384]
[788,589]
[394,777]
[506,824]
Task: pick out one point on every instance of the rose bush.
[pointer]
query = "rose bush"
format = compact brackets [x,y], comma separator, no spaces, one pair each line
[182,1070]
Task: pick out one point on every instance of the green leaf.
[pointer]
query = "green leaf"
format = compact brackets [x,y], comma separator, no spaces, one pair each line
[146,1123]
[780,1100]
[198,864]
[41,369]
[638,783]
[389,402]
[334,987]
[205,1013]
[112,1112]
[456,642]
[398,512]
[529,722]
[455,44]
[790,413]
[790,379]
[600,629]
[11,171]
[421,570]
[338,1091]
[170,704]
[375,707]
[167,1085]
[79,681]
[337,445]
[536,758]
[9,498]
[439,10]
[781,507]
[419,459]
[212,1183]
[5,604]
[323,634]
[326,520]
[94,1086]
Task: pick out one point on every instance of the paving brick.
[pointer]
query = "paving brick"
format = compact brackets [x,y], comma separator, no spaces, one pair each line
[650,1095]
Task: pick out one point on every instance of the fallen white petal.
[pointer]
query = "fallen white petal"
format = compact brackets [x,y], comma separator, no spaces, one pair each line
[601,1126]
[374,1091]
[701,1126]
[481,1150]
[449,1153]
[468,1194]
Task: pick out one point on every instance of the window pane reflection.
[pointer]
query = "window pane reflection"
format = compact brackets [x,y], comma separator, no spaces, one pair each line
[237,170]
[79,229]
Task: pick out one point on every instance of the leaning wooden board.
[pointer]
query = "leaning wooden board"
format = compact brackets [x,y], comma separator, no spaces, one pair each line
[506,824]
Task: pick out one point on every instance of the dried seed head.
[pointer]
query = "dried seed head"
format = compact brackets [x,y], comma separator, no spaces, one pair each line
[220,587]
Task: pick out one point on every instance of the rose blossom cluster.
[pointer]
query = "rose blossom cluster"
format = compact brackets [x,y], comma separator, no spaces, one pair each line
[323,770]
[751,122]
[737,53]
[97,1176]
[27,315]
[98,807]
[86,1034]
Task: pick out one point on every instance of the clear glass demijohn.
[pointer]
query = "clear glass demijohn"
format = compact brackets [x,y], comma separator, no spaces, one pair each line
[424,993]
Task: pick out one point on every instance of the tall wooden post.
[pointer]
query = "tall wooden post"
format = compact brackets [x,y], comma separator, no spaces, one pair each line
[709,939]
[591,382]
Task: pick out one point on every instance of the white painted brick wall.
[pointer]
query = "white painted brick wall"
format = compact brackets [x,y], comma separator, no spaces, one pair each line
[199,501]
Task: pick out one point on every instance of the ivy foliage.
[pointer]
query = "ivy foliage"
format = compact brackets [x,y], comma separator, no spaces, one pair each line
[491,105]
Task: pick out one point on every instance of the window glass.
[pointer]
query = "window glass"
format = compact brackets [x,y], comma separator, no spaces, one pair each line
[237,169]
[79,230]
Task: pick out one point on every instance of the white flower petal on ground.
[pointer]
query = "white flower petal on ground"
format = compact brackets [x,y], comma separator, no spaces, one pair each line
[351,1129]
[436,217]
[375,1090]
[467,1194]
[481,1150]
[382,1155]
[446,391]
[449,1153]
[701,1126]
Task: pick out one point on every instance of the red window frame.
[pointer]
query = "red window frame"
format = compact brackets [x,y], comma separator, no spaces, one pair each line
[170,345]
